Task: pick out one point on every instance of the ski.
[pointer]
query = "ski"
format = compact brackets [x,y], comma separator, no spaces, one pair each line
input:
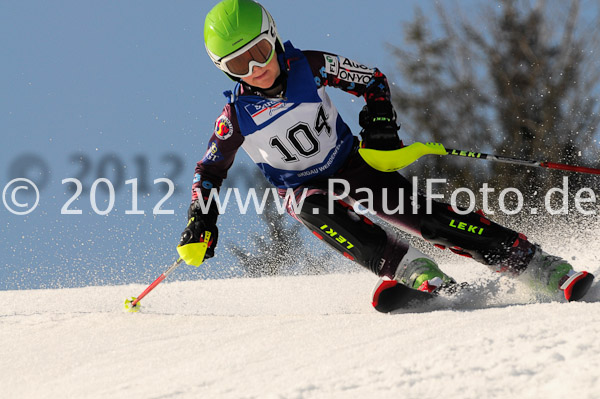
[577,285]
[390,295]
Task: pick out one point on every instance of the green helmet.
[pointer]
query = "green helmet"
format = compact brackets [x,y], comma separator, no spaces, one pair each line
[233,24]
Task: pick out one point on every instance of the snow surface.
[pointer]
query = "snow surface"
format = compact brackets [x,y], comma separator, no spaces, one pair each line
[297,337]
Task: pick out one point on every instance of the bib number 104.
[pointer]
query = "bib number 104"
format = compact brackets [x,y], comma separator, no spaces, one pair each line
[301,138]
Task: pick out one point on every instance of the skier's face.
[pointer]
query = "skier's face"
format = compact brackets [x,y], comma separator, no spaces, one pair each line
[264,77]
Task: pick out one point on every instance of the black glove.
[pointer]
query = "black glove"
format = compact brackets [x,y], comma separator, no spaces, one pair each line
[380,131]
[198,223]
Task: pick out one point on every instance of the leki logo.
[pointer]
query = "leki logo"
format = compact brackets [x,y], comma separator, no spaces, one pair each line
[333,234]
[469,154]
[466,227]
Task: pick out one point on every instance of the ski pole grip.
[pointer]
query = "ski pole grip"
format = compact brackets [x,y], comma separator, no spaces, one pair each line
[390,161]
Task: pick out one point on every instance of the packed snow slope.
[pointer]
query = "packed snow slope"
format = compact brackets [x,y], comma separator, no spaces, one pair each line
[297,337]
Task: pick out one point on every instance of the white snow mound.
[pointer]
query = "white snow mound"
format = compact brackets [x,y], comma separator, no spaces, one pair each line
[295,337]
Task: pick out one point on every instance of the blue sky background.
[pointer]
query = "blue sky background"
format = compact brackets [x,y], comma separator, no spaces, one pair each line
[125,88]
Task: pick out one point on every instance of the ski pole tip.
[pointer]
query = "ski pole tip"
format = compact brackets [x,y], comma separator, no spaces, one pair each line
[130,306]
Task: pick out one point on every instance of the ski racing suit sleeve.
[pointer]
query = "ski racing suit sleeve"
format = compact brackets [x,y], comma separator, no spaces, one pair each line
[223,144]
[336,71]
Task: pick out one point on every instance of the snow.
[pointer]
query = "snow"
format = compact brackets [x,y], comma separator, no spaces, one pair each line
[297,337]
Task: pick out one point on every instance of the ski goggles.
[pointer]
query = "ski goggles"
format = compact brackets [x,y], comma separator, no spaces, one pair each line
[257,52]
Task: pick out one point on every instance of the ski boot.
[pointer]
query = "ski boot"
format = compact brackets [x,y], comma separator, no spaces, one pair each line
[421,273]
[417,280]
[554,274]
[415,284]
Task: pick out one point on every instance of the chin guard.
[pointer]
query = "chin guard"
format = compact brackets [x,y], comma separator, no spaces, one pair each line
[391,161]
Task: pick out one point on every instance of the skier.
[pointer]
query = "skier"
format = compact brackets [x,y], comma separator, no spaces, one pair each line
[280,113]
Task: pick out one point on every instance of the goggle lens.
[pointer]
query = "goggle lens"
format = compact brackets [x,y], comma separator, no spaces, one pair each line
[261,53]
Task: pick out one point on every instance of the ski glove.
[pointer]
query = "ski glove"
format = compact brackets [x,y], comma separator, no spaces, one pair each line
[196,231]
[380,131]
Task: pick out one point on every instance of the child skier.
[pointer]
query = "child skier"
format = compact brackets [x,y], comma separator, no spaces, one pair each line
[280,113]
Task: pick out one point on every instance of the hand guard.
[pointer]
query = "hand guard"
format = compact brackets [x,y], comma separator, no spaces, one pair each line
[391,161]
[380,131]
[201,228]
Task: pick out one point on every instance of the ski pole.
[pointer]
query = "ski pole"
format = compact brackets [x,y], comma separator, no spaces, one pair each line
[525,162]
[131,304]
[194,255]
